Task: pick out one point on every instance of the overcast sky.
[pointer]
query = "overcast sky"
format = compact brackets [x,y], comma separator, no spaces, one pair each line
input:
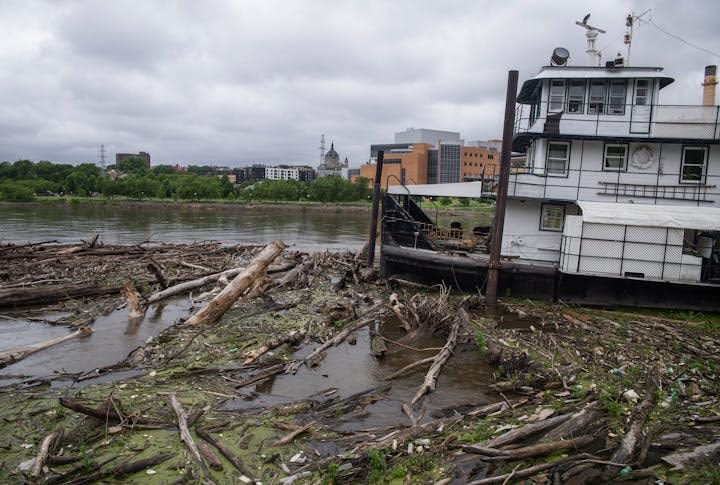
[234,82]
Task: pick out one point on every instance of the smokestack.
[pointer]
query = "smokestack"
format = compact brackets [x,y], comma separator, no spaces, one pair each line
[709,86]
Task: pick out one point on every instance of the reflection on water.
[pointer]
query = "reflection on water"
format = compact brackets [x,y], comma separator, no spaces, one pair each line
[114,337]
[183,223]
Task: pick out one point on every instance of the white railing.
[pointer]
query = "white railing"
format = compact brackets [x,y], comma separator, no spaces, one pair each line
[661,121]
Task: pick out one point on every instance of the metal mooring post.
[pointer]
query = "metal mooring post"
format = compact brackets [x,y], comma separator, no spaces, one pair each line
[501,197]
[375,206]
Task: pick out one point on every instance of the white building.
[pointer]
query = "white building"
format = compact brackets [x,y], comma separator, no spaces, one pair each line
[282,173]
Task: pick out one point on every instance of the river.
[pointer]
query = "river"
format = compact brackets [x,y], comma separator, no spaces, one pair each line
[309,228]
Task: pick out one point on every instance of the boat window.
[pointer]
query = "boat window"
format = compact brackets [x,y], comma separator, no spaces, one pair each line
[552,217]
[557,95]
[642,92]
[618,88]
[558,156]
[596,103]
[615,157]
[693,164]
[576,96]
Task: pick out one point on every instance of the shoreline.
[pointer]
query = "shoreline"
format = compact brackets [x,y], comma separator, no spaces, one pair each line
[234,205]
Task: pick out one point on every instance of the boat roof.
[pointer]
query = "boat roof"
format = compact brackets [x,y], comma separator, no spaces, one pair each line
[530,86]
[459,189]
[682,217]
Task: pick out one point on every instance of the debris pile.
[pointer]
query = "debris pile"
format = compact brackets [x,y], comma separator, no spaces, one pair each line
[575,395]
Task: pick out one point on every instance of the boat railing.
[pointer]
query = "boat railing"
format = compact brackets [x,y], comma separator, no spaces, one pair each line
[662,185]
[628,120]
[401,228]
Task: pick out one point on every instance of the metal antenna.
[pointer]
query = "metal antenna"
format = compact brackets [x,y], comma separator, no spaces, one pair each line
[102,156]
[629,24]
[591,34]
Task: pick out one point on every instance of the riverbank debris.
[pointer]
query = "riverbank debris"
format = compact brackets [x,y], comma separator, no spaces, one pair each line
[532,392]
[224,300]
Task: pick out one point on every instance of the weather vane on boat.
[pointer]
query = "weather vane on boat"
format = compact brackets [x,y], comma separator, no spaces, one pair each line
[591,34]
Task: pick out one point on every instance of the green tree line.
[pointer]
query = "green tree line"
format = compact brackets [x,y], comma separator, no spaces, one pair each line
[25,180]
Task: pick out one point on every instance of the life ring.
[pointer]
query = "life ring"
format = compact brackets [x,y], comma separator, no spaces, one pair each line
[643,157]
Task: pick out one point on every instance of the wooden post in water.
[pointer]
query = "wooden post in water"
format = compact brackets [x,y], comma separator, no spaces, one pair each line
[501,197]
[375,206]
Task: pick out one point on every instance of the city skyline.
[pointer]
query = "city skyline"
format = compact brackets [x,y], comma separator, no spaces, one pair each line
[236,83]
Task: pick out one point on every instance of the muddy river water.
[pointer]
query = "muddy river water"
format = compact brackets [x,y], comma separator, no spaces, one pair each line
[346,370]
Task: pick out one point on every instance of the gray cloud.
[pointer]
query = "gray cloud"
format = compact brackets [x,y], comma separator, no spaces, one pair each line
[237,82]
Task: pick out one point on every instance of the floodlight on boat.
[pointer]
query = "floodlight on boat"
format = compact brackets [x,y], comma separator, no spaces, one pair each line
[559,56]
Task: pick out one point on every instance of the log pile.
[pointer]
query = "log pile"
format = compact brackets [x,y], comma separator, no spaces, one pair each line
[557,405]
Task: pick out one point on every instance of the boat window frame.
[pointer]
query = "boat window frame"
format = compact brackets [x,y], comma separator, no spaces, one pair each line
[703,165]
[616,108]
[575,103]
[636,92]
[557,106]
[624,165]
[544,216]
[566,168]
[599,105]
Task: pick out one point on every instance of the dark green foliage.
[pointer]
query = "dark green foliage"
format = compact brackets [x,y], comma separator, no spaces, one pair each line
[23,180]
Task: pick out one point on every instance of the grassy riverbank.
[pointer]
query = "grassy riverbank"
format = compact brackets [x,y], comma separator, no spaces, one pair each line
[447,208]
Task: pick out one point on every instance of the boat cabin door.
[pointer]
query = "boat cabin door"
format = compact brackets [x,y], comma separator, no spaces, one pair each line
[641,109]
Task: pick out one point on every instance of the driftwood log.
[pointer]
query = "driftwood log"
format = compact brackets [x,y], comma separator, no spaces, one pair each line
[11,356]
[223,301]
[311,359]
[638,418]
[292,338]
[439,361]
[43,453]
[45,295]
[185,435]
[226,452]
[191,285]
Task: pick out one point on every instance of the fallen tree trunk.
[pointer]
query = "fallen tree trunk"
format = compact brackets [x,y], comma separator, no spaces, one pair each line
[45,295]
[525,431]
[223,301]
[191,285]
[438,363]
[578,422]
[543,449]
[11,356]
[638,418]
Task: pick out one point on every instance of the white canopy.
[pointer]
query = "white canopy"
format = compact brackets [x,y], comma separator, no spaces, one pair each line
[683,217]
[460,189]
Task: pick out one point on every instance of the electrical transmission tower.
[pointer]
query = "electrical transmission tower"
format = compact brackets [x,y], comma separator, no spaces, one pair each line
[102,156]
